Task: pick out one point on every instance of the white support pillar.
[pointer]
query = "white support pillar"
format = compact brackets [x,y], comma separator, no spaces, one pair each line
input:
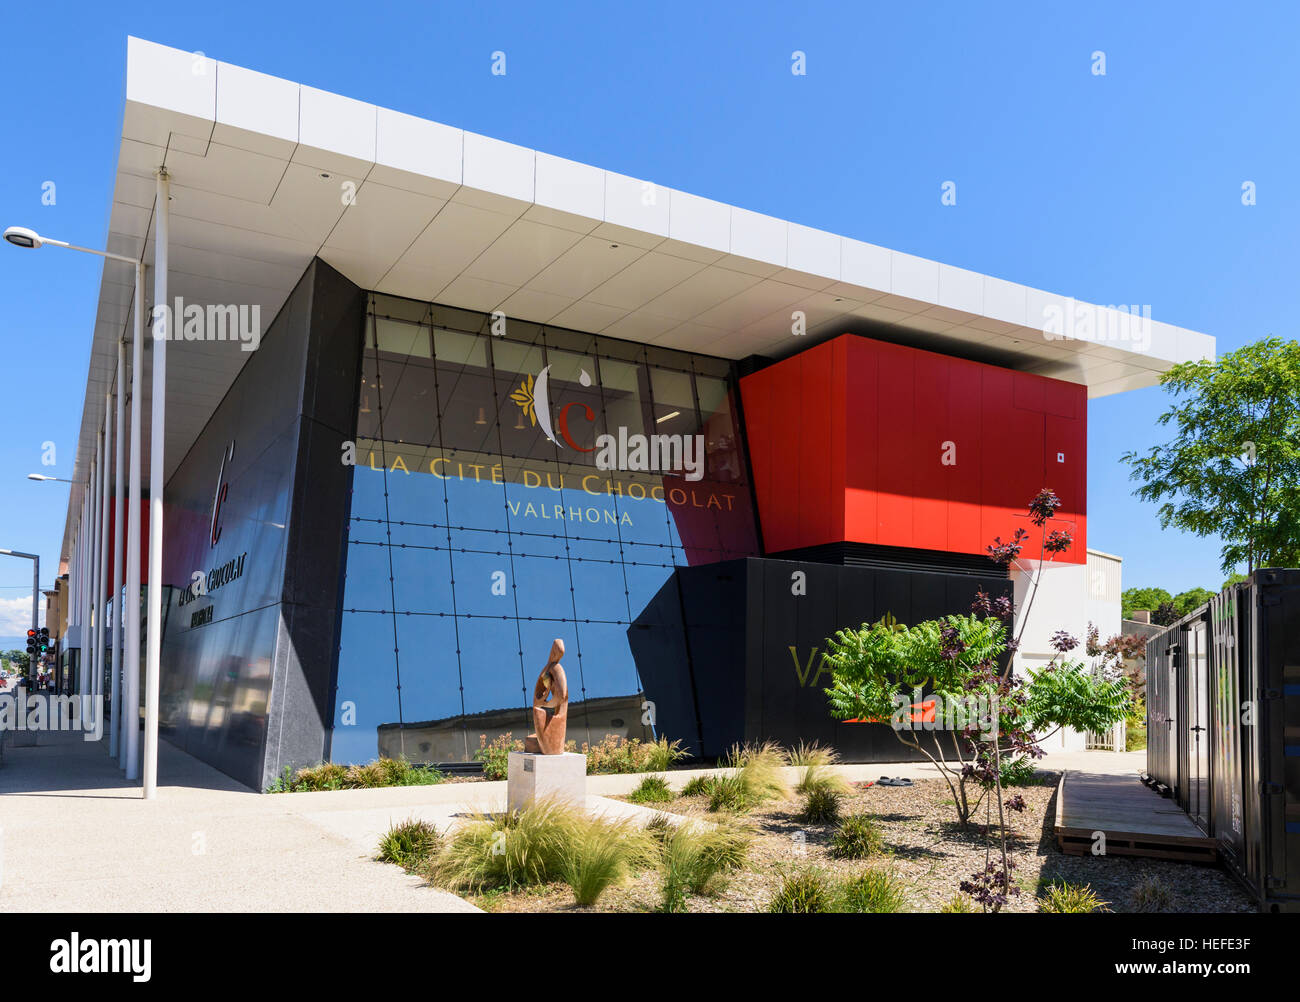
[157,424]
[115,746]
[131,693]
[85,671]
[92,565]
[101,564]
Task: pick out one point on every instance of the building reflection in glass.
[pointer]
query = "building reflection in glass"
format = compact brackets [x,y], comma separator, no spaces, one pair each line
[481,528]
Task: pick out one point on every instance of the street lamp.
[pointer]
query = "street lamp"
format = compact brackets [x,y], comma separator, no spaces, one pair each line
[36,581]
[29,239]
[42,477]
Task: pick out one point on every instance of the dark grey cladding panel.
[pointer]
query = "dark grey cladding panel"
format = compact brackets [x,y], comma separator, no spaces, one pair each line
[281,526]
[329,393]
[297,717]
[753,660]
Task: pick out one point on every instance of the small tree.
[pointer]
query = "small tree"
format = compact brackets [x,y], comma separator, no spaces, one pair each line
[983,709]
[1233,468]
[880,672]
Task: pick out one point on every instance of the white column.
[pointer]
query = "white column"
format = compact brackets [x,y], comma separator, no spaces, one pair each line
[131,693]
[74,575]
[101,564]
[157,422]
[87,524]
[92,566]
[119,506]
[105,633]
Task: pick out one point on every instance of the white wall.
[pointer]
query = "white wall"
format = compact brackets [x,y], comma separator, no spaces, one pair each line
[1069,597]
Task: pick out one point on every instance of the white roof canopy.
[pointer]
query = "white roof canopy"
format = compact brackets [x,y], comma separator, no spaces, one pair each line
[266,173]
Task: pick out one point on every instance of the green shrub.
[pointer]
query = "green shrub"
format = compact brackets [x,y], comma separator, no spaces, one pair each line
[337,776]
[807,892]
[660,828]
[818,775]
[496,755]
[400,772]
[756,776]
[615,754]
[602,854]
[326,776]
[661,755]
[823,793]
[724,848]
[821,806]
[1065,898]
[872,891]
[958,903]
[857,837]
[1151,894]
[762,767]
[696,860]
[510,851]
[653,790]
[812,755]
[409,843]
[728,793]
[698,786]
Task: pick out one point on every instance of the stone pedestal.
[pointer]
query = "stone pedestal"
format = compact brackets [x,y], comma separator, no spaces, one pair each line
[531,777]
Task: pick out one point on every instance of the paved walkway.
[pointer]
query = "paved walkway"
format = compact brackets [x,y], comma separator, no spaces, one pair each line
[75,836]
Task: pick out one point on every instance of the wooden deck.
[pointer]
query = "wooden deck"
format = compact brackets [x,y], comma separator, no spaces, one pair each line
[1136,821]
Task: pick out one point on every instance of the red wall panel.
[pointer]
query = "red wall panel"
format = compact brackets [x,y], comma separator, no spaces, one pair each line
[848,441]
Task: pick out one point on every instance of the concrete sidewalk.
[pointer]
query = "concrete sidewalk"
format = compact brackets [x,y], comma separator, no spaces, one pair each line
[77,837]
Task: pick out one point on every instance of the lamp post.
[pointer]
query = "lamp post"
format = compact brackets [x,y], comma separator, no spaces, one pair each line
[36,581]
[21,236]
[44,478]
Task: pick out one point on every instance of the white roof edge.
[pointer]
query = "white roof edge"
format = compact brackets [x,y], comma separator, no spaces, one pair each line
[180,105]
[203,96]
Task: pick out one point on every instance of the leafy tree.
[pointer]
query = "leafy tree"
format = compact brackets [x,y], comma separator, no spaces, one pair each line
[1191,599]
[1234,579]
[1233,468]
[1165,614]
[1142,598]
[880,672]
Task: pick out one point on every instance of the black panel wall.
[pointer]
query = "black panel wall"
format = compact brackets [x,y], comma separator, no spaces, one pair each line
[247,660]
[755,648]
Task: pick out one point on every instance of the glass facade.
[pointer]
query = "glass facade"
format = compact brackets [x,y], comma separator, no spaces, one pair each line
[506,493]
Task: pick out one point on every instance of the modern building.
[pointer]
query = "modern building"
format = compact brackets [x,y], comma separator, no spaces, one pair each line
[434,399]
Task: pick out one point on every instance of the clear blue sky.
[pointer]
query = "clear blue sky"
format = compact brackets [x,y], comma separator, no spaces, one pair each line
[1116,189]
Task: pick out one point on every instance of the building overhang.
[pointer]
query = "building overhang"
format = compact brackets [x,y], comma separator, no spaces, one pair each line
[266,173]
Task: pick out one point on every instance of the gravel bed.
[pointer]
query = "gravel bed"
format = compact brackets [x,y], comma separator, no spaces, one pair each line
[927,849]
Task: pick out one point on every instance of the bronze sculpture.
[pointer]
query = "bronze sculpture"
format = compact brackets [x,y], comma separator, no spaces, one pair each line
[550,706]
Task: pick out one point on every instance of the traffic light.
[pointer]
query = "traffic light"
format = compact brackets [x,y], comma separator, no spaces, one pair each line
[38,642]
